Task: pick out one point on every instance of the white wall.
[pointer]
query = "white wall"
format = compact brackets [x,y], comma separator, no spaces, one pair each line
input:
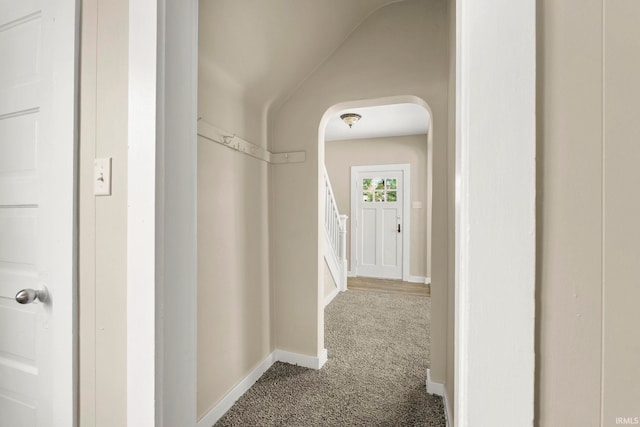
[340,156]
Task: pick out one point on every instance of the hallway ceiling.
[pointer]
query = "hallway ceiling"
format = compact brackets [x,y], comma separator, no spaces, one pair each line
[269,47]
[380,121]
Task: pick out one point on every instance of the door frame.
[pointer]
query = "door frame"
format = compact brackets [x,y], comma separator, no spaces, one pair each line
[162,213]
[495,224]
[405,168]
[63,163]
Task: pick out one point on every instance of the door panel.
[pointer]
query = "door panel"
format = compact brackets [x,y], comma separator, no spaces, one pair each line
[19,342]
[378,214]
[15,413]
[17,238]
[390,217]
[19,151]
[20,43]
[37,143]
[369,226]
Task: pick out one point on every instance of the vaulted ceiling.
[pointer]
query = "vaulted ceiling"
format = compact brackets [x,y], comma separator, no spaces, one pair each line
[268,47]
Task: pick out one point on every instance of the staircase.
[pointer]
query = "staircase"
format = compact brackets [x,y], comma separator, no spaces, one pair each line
[335,227]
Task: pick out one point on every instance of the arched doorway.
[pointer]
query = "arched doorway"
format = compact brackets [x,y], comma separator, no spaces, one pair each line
[345,185]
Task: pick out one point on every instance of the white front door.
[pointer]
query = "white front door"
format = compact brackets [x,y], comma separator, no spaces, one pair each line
[37,212]
[379,222]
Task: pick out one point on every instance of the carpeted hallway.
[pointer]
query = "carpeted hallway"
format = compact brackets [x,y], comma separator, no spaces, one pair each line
[378,354]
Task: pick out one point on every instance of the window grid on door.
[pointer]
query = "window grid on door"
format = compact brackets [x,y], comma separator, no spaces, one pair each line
[379,190]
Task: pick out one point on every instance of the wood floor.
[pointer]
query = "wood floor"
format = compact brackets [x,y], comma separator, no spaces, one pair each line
[388,286]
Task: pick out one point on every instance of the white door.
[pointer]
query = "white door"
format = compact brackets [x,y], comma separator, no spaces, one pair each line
[380,223]
[37,216]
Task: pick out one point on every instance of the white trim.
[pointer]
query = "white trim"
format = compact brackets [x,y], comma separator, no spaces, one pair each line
[233,142]
[212,417]
[427,280]
[176,214]
[439,389]
[460,309]
[417,279]
[405,168]
[236,393]
[141,214]
[58,94]
[495,173]
[313,362]
[332,262]
[161,232]
[433,387]
[331,296]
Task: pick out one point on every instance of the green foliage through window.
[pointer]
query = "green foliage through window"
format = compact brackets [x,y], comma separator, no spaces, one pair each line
[379,190]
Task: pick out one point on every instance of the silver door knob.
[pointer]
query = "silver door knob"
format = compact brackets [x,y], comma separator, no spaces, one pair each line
[27,296]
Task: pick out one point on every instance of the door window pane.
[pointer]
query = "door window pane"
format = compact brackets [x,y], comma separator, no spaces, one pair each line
[379,190]
[391,184]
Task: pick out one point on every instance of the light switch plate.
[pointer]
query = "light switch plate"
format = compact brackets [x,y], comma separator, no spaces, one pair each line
[102,177]
[416,205]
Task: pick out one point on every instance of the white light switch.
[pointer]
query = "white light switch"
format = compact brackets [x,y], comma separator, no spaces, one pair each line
[102,177]
[416,205]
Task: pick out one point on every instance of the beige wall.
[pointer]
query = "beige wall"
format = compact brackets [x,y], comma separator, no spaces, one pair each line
[400,49]
[103,220]
[234,298]
[588,233]
[340,156]
[621,293]
[233,275]
[236,324]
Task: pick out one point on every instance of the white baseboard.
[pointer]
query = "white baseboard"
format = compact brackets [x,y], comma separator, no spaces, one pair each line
[439,390]
[416,279]
[241,388]
[331,296]
[227,402]
[301,359]
[351,274]
[427,280]
[433,387]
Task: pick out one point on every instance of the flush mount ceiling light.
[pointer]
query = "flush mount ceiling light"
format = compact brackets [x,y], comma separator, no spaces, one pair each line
[350,118]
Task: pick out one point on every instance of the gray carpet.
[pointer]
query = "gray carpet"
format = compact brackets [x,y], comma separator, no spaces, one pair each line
[375,376]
